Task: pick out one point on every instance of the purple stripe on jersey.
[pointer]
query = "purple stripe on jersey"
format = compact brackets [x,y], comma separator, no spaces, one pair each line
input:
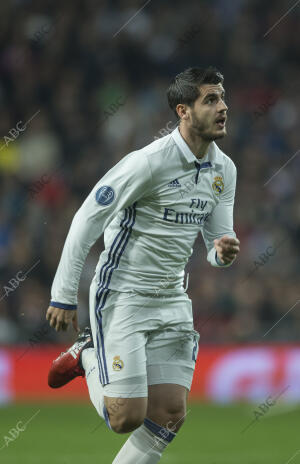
[101,371]
[112,246]
[122,234]
[103,289]
[124,246]
[102,350]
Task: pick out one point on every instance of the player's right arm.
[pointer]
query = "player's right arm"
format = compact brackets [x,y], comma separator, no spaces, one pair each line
[218,234]
[124,184]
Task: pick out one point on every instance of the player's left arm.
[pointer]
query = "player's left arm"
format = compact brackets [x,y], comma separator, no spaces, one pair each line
[218,234]
[127,182]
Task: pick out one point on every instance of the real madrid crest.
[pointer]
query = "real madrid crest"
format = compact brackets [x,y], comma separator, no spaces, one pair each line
[117,363]
[218,185]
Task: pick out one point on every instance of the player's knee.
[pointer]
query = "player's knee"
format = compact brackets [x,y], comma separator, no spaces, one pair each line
[172,418]
[126,414]
[125,423]
[175,420]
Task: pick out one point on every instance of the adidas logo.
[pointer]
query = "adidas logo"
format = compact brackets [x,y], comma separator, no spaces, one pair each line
[175,183]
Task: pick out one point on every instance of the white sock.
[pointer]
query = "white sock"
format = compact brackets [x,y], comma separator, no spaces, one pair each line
[90,365]
[145,445]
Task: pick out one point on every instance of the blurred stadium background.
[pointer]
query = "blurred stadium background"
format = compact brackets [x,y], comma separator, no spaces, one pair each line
[82,84]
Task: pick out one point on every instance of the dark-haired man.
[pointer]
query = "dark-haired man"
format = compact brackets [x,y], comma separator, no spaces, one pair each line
[139,360]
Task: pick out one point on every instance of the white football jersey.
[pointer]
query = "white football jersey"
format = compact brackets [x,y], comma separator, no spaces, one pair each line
[151,207]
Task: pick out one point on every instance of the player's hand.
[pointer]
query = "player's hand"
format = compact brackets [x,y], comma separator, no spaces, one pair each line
[59,319]
[227,248]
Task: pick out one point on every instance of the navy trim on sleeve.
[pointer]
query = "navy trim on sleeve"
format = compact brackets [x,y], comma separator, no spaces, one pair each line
[218,261]
[63,305]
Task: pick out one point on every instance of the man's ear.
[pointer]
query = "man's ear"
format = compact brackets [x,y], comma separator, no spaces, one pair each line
[182,111]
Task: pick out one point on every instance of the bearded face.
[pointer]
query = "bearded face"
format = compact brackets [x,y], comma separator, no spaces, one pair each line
[207,116]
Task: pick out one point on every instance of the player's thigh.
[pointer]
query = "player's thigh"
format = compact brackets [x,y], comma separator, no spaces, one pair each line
[119,342]
[125,414]
[167,405]
[172,350]
[120,347]
[170,367]
[171,358]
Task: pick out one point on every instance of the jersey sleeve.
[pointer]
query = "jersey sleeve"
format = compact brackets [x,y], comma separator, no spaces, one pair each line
[220,222]
[124,184]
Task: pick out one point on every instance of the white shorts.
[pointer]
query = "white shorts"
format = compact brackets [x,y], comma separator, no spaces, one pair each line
[142,340]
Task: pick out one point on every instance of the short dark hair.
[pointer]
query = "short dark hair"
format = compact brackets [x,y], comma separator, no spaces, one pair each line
[185,86]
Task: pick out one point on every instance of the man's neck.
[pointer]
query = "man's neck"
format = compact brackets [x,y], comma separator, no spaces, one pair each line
[198,146]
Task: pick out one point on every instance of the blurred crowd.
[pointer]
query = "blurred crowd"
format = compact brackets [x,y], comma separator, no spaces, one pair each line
[83,83]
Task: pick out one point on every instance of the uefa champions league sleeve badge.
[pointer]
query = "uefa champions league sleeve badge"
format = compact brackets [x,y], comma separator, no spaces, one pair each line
[105,195]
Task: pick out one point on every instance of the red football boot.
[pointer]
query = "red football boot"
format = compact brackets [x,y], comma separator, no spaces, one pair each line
[68,365]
